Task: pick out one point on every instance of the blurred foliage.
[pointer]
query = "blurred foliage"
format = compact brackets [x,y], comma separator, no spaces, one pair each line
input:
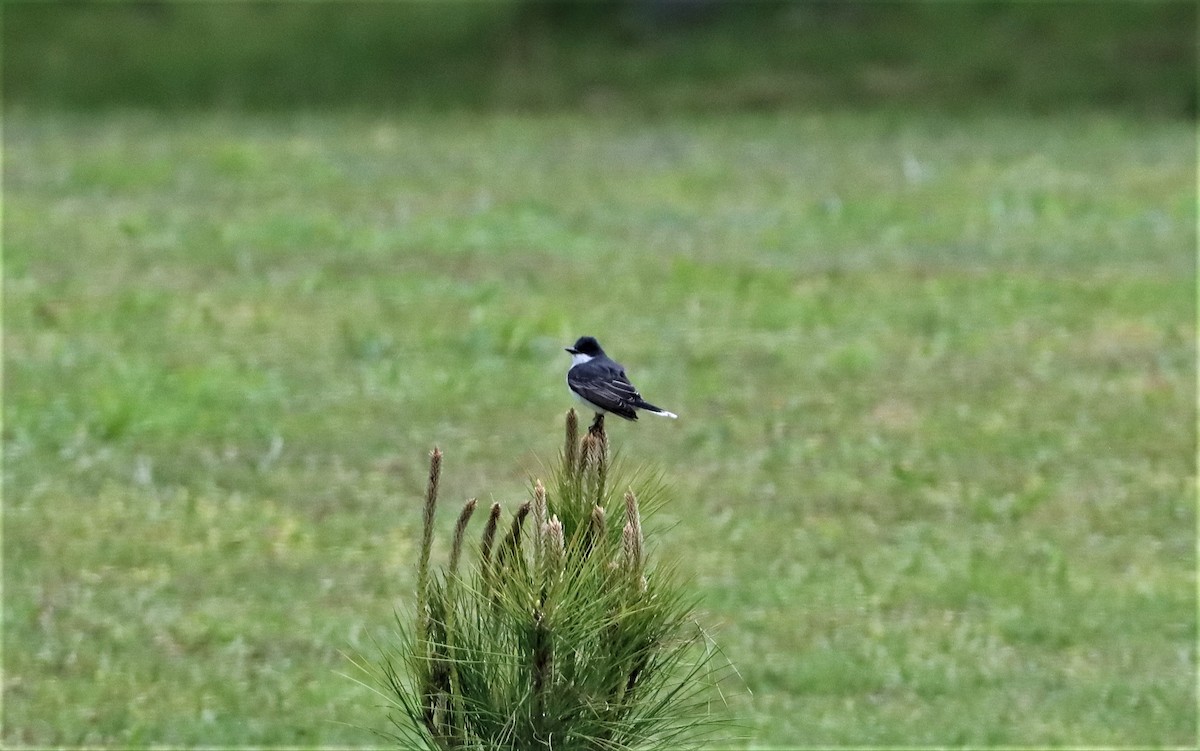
[640,55]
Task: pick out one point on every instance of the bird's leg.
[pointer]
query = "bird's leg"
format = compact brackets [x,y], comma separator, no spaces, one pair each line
[597,427]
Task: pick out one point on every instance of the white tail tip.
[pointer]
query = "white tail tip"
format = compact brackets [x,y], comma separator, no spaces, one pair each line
[665,413]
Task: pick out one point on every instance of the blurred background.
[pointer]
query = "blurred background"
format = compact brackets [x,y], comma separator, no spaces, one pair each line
[919,279]
[643,55]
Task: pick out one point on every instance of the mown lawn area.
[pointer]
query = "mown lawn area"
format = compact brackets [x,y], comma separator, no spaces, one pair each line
[934,471]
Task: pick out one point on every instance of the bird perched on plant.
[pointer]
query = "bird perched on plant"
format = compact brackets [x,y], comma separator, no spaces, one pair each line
[601,384]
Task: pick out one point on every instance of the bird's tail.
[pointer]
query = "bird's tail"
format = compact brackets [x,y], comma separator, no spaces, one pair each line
[657,410]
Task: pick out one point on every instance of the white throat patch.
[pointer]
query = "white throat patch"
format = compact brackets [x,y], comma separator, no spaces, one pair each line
[579,358]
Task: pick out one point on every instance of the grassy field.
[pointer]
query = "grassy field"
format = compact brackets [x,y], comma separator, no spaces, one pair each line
[934,470]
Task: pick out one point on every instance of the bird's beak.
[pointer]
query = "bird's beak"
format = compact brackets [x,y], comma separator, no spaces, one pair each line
[571,350]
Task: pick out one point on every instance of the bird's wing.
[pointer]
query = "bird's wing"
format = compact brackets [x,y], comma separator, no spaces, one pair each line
[609,390]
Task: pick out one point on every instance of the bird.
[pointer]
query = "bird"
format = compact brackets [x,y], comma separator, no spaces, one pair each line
[600,383]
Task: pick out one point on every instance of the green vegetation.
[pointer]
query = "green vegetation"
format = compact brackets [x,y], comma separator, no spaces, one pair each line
[655,56]
[560,633]
[935,384]
[922,291]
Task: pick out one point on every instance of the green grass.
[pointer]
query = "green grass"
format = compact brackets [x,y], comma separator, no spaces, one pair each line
[934,469]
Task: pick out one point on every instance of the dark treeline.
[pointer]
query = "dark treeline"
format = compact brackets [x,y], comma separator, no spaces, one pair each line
[642,55]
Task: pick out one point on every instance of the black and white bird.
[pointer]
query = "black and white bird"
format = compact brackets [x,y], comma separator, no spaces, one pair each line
[601,384]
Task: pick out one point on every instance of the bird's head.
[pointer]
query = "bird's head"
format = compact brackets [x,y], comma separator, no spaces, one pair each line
[586,345]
